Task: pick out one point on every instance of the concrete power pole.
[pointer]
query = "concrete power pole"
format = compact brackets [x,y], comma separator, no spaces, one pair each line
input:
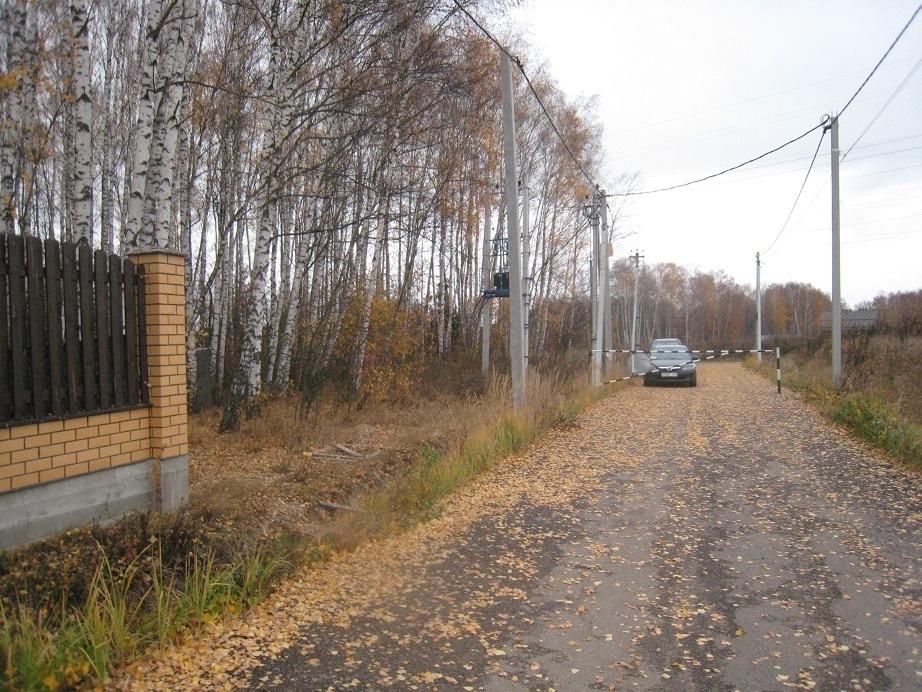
[636,257]
[526,263]
[759,306]
[516,321]
[836,288]
[606,286]
[591,210]
[486,315]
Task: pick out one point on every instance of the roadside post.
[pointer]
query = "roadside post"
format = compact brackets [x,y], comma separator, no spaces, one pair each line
[778,366]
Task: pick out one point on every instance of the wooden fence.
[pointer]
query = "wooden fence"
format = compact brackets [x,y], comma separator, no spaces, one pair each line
[72,332]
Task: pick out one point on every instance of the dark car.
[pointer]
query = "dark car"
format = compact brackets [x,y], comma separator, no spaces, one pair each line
[666,344]
[674,365]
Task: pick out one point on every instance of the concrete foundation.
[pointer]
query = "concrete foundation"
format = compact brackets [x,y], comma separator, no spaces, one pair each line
[174,483]
[100,497]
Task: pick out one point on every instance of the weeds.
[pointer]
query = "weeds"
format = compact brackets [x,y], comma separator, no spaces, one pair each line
[879,399]
[120,619]
[493,431]
[874,421]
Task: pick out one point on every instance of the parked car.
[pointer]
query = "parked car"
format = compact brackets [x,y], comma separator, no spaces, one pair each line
[671,367]
[665,344]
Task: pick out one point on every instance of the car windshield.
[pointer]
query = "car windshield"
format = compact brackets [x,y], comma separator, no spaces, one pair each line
[682,357]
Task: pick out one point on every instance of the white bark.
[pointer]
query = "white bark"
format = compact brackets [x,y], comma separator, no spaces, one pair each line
[149,56]
[82,223]
[371,288]
[11,115]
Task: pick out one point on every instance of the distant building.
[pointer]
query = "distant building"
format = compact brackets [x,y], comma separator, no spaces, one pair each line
[852,320]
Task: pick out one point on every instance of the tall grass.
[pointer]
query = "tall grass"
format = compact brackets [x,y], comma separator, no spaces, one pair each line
[880,399]
[124,615]
[873,420]
[493,430]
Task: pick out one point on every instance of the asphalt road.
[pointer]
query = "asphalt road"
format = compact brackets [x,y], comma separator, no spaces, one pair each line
[709,538]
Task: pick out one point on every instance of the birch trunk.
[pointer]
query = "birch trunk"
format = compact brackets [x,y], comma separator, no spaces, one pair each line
[143,132]
[83,123]
[371,287]
[245,384]
[158,228]
[11,126]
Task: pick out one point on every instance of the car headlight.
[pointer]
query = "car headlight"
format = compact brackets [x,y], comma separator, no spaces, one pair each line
[688,367]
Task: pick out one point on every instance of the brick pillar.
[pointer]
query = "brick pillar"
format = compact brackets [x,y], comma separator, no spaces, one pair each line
[164,276]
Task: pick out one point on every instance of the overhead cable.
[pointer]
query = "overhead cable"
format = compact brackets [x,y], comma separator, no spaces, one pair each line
[879,62]
[884,107]
[518,63]
[802,186]
[823,124]
[727,170]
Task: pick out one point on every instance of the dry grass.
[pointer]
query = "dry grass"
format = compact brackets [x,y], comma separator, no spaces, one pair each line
[880,397]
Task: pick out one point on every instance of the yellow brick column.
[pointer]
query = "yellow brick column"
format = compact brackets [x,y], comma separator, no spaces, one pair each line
[165,298]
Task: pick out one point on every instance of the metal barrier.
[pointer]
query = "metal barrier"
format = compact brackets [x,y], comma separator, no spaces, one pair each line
[716,354]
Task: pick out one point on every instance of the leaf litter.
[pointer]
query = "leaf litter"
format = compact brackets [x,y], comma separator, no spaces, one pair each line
[704,550]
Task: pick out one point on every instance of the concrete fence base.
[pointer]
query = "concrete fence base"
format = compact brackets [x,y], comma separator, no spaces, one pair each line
[100,497]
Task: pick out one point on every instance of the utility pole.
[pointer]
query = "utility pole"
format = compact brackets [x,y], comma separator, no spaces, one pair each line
[526,263]
[636,257]
[606,284]
[516,322]
[759,306]
[591,210]
[836,287]
[486,315]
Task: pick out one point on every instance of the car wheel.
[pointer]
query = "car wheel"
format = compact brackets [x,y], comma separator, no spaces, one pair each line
[646,384]
[694,382]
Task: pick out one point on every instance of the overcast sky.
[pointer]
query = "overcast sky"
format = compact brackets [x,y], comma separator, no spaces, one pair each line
[689,88]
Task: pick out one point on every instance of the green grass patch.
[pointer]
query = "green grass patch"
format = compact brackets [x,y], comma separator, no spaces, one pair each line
[125,612]
[874,421]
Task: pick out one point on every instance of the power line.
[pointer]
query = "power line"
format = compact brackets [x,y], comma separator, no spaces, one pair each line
[803,185]
[879,62]
[823,124]
[515,59]
[727,170]
[884,107]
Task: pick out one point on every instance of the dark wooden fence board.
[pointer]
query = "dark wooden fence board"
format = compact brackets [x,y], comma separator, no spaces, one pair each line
[55,333]
[142,332]
[88,329]
[72,331]
[116,327]
[19,353]
[131,331]
[103,340]
[74,374]
[6,385]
